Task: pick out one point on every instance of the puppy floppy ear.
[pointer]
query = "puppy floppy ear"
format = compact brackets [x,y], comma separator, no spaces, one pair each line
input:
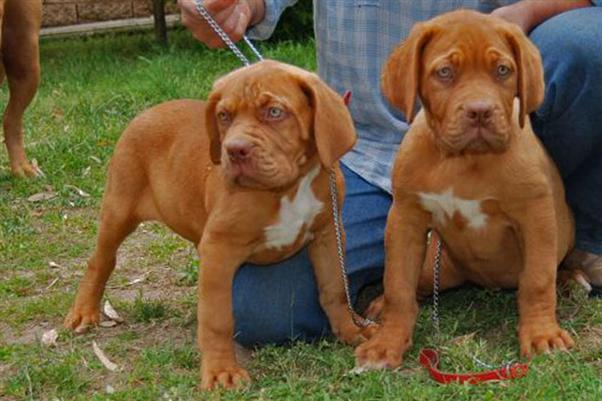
[334,132]
[531,86]
[215,146]
[401,73]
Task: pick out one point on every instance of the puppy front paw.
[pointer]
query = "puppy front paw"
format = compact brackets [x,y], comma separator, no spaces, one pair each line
[24,169]
[543,338]
[80,318]
[227,374]
[382,351]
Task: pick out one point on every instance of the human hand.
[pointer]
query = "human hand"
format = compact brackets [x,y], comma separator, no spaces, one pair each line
[234,16]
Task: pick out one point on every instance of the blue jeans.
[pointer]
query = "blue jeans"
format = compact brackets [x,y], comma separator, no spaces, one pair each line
[569,123]
[279,303]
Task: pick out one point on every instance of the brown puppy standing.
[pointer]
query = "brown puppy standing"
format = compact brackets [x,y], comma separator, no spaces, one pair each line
[471,168]
[277,131]
[20,20]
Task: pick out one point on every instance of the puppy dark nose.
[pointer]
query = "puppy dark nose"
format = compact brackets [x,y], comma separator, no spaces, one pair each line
[478,112]
[238,149]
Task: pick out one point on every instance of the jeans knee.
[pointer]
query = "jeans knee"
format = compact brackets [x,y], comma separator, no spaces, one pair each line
[272,323]
[258,324]
[278,303]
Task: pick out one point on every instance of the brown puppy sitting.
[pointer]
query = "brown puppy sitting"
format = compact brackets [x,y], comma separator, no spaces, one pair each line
[20,22]
[471,168]
[245,178]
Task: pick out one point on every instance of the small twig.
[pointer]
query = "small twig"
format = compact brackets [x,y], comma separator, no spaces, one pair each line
[103,358]
[51,284]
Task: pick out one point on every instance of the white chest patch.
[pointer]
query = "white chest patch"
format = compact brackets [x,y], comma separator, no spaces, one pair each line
[443,206]
[294,214]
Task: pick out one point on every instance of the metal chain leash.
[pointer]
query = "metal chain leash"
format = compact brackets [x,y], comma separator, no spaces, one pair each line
[436,285]
[357,319]
[224,36]
[336,216]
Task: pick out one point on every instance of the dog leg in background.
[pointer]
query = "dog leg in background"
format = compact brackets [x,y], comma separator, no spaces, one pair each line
[538,328]
[20,53]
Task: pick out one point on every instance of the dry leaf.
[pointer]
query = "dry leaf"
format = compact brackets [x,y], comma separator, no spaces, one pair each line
[108,323]
[54,265]
[79,191]
[136,281]
[96,159]
[366,367]
[463,339]
[109,389]
[103,358]
[42,196]
[111,313]
[49,338]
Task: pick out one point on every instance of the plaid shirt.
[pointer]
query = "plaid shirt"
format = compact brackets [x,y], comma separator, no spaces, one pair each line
[354,37]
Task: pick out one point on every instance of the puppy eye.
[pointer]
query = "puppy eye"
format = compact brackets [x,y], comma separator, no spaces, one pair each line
[223,116]
[275,113]
[445,73]
[502,71]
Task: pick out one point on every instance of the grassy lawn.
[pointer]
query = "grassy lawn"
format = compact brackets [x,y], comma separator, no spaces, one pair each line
[90,89]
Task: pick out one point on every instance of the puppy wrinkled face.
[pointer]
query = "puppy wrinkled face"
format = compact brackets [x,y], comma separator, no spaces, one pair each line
[468,82]
[264,121]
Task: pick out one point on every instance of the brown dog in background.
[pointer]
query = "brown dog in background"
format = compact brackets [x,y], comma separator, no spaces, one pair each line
[21,21]
[245,178]
[472,169]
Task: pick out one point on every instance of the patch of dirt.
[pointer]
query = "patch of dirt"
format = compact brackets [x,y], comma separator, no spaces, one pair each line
[160,279]
[31,333]
[590,338]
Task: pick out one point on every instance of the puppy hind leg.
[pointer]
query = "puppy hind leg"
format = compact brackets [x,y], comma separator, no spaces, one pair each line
[115,226]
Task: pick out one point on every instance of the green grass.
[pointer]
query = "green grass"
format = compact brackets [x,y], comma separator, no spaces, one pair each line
[90,89]
[145,310]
